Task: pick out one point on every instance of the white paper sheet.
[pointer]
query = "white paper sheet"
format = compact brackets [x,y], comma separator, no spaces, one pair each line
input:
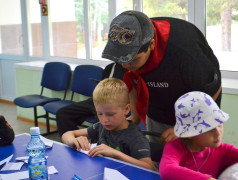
[6,160]
[91,147]
[10,166]
[24,174]
[15,176]
[25,159]
[52,170]
[112,174]
[48,143]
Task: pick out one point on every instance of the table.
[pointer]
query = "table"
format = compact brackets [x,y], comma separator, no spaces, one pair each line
[69,162]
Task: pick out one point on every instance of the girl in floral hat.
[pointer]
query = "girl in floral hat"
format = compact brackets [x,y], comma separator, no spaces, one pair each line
[199,152]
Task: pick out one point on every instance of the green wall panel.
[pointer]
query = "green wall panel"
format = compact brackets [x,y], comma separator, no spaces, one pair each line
[230,106]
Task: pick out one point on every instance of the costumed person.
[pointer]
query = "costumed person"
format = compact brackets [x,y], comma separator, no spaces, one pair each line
[166,57]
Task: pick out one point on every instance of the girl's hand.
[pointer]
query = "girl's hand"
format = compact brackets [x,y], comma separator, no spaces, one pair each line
[103,150]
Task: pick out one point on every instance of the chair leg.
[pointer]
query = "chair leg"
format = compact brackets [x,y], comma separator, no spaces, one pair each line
[47,123]
[46,116]
[35,117]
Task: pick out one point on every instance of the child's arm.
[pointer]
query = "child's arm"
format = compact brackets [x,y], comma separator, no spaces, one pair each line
[76,138]
[170,167]
[110,152]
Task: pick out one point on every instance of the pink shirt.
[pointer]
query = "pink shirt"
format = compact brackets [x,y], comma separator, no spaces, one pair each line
[177,161]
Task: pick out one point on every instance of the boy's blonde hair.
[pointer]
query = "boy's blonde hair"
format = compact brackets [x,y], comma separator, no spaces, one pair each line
[111,91]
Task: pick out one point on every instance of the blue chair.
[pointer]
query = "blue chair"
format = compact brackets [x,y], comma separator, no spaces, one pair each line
[55,76]
[82,83]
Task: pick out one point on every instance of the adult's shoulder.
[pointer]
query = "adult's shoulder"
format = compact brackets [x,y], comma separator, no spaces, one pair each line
[173,20]
[181,27]
[114,70]
[107,70]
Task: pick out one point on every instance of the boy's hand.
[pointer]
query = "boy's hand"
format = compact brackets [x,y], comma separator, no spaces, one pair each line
[76,139]
[103,150]
[167,135]
[82,143]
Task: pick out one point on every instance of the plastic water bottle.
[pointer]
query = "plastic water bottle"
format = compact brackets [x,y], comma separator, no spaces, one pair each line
[37,163]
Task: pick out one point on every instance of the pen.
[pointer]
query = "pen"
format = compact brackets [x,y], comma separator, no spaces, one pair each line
[76,177]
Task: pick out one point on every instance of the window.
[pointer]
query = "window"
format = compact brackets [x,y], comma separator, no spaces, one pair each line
[66,29]
[35,36]
[102,12]
[11,38]
[69,33]
[74,35]
[222,31]
[170,8]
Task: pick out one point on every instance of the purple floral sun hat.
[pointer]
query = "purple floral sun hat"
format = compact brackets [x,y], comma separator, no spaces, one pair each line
[196,113]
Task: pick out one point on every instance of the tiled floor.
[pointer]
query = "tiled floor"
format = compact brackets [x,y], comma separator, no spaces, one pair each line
[19,127]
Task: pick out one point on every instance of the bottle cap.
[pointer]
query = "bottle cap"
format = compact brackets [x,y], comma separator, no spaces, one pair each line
[35,130]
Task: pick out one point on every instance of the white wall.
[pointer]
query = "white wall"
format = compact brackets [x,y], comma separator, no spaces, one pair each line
[8,87]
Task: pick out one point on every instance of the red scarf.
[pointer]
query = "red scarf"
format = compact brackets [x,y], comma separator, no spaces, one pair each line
[162,29]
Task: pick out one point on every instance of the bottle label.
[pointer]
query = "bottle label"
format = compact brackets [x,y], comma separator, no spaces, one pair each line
[38,171]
